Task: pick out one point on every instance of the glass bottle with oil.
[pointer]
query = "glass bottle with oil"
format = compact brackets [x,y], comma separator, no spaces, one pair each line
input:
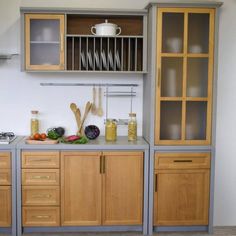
[132,127]
[34,123]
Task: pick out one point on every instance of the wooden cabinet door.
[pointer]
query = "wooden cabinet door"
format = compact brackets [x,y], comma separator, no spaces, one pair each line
[80,188]
[181,197]
[44,42]
[5,206]
[122,188]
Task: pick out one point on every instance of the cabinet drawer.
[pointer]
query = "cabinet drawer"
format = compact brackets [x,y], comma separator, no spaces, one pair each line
[40,195]
[40,177]
[41,216]
[40,160]
[182,160]
[5,177]
[5,160]
[5,206]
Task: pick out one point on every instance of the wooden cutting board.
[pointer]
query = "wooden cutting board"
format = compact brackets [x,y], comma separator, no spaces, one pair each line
[46,141]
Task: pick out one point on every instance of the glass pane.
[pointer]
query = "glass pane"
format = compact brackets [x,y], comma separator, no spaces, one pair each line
[171,77]
[44,30]
[45,54]
[198,33]
[173,32]
[196,119]
[170,126]
[197,77]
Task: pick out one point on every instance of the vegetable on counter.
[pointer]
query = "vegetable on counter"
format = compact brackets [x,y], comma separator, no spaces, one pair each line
[38,136]
[73,139]
[55,133]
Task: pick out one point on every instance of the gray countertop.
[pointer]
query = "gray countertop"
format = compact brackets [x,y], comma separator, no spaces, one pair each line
[12,145]
[98,144]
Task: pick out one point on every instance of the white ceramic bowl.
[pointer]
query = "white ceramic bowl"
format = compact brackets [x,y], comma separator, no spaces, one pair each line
[106,29]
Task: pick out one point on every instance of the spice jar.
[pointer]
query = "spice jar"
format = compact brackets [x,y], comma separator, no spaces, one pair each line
[34,122]
[111,130]
[132,127]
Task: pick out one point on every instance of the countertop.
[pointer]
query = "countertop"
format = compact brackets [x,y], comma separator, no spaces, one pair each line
[12,145]
[121,143]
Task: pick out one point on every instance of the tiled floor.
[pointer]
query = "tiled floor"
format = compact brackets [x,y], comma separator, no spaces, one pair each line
[218,231]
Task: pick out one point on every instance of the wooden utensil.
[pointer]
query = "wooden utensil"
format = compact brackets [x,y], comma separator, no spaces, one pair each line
[100,110]
[94,108]
[77,114]
[87,110]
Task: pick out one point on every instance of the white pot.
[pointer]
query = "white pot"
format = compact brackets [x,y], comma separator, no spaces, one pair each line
[106,29]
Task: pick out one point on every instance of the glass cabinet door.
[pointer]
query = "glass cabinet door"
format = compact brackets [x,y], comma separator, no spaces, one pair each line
[185,47]
[44,42]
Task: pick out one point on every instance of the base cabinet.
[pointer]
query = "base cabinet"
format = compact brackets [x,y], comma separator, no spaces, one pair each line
[181,188]
[101,188]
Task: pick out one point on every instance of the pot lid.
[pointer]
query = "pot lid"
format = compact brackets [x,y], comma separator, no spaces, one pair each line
[106,24]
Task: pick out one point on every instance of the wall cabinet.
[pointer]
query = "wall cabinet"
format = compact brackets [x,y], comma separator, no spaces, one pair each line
[5,189]
[113,191]
[44,42]
[181,185]
[185,50]
[64,41]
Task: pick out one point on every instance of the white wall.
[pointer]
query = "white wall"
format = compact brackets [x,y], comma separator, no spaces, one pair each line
[20,92]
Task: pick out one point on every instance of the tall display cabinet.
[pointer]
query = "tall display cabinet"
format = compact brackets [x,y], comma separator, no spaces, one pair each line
[179,113]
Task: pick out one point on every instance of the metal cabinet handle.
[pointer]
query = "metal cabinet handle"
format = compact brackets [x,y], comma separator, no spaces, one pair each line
[41,177]
[104,164]
[155,182]
[101,159]
[42,196]
[181,161]
[42,217]
[40,160]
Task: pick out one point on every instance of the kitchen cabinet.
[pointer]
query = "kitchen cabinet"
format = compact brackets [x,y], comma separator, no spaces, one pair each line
[181,194]
[113,189]
[63,41]
[44,42]
[185,50]
[5,189]
[40,179]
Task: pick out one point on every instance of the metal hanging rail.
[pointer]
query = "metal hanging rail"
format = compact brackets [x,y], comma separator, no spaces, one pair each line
[89,84]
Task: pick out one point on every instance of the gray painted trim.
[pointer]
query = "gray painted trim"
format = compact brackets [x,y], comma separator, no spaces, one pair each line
[22,41]
[180,228]
[183,148]
[82,229]
[89,72]
[145,43]
[183,3]
[5,230]
[98,11]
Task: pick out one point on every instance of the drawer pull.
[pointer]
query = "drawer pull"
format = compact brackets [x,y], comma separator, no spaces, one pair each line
[41,177]
[42,196]
[42,217]
[181,161]
[41,160]
[155,182]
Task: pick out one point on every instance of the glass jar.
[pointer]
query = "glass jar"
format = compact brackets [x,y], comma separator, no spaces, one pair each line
[132,127]
[34,123]
[111,130]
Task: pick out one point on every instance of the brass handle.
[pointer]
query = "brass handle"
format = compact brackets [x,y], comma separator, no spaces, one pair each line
[42,217]
[155,182]
[42,195]
[101,159]
[183,161]
[62,42]
[39,160]
[41,177]
[104,164]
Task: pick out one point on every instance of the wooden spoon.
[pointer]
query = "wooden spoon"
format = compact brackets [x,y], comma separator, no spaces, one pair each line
[87,110]
[94,108]
[74,109]
[99,110]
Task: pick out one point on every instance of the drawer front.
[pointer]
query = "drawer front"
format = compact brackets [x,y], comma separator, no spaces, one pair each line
[182,161]
[41,195]
[38,160]
[5,206]
[40,177]
[41,216]
[5,177]
[5,160]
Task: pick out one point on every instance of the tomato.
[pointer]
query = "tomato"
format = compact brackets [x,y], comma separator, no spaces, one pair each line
[43,136]
[37,136]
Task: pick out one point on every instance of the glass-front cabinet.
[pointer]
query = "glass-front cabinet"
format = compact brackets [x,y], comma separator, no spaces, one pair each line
[44,42]
[185,48]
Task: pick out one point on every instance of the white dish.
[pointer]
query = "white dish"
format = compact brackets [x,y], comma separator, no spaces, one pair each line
[90,60]
[117,58]
[104,60]
[111,63]
[106,29]
[83,59]
[96,57]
